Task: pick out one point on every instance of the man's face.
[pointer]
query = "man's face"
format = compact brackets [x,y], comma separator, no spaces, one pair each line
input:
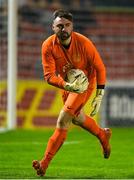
[62,28]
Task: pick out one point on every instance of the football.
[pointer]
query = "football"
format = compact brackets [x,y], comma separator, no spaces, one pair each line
[74,74]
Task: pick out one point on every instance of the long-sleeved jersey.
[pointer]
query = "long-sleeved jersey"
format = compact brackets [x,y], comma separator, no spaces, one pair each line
[81,54]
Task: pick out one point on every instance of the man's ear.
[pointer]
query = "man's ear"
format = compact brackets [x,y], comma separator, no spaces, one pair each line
[52,26]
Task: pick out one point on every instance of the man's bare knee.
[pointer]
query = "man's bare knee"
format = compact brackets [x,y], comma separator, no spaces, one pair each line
[64,119]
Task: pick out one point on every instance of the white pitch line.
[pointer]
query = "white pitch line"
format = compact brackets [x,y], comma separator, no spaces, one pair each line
[71,142]
[36,142]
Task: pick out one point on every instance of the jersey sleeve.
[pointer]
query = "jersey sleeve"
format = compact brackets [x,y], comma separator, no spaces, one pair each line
[97,63]
[49,68]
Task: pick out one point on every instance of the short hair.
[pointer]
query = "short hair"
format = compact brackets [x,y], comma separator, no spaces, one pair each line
[63,13]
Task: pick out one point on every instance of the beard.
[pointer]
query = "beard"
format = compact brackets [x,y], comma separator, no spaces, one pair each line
[63,36]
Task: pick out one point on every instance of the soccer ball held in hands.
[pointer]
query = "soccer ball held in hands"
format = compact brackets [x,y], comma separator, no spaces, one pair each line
[78,76]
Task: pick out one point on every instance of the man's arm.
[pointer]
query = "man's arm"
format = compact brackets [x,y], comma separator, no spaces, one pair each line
[49,68]
[97,63]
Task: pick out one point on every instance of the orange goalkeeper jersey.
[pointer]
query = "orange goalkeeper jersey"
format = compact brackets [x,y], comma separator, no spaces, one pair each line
[81,54]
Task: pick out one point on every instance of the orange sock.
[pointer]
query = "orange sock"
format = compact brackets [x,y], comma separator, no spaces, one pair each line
[54,144]
[91,126]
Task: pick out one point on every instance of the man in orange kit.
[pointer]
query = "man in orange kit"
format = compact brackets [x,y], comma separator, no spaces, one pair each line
[62,51]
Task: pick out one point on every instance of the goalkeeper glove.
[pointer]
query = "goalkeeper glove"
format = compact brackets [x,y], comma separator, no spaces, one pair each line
[97,101]
[73,87]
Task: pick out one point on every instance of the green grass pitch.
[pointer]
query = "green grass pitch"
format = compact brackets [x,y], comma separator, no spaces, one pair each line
[79,158]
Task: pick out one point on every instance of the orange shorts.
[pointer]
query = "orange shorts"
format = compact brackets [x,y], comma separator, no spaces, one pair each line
[74,102]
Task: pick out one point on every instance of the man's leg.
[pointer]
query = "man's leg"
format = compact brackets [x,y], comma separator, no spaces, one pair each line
[103,134]
[54,143]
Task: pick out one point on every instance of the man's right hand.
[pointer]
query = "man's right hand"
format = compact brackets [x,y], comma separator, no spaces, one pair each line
[73,87]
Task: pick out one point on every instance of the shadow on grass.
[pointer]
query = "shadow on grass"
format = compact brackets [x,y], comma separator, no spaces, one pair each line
[83,177]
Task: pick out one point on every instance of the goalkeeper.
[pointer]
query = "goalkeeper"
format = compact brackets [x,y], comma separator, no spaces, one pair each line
[62,51]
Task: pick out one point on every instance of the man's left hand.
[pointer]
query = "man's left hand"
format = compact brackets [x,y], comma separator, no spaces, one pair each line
[97,101]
